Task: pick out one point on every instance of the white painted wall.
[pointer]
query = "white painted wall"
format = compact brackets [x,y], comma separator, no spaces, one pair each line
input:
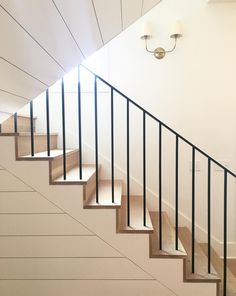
[191,90]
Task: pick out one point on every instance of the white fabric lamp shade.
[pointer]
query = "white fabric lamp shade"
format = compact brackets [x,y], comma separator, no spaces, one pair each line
[145,31]
[176,30]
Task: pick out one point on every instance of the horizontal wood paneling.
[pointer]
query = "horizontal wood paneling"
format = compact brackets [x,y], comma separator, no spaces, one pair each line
[40,224]
[10,183]
[70,268]
[55,246]
[25,202]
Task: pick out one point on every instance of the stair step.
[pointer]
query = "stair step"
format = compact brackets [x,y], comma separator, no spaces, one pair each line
[168,239]
[232,266]
[201,274]
[217,263]
[23,124]
[136,216]
[72,176]
[54,153]
[105,196]
[40,143]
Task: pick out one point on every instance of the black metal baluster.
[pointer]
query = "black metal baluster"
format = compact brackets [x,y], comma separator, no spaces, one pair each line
[160,186]
[112,145]
[193,210]
[209,215]
[32,127]
[144,169]
[15,122]
[177,193]
[225,234]
[63,127]
[48,122]
[128,168]
[96,136]
[79,126]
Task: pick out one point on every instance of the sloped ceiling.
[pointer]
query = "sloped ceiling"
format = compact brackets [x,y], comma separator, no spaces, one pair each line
[41,40]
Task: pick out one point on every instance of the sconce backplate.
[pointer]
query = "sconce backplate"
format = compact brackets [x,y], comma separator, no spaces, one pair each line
[159,53]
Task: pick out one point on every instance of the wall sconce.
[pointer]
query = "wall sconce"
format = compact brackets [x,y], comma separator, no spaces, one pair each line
[159,52]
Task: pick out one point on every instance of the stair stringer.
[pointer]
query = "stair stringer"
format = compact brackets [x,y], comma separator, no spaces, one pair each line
[167,272]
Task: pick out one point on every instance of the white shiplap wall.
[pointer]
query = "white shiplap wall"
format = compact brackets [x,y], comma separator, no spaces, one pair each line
[41,40]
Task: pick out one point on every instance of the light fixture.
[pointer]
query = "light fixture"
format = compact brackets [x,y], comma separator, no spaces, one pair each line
[159,52]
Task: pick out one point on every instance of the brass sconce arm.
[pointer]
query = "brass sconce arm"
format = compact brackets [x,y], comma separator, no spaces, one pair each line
[160,52]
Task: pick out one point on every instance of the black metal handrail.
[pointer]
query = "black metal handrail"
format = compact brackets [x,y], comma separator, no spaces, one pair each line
[161,125]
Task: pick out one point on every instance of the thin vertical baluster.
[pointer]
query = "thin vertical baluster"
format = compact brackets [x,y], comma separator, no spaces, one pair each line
[0,127]
[112,145]
[48,121]
[15,122]
[96,136]
[32,127]
[193,210]
[79,126]
[63,128]
[144,169]
[209,215]
[128,168]
[225,234]
[160,186]
[177,193]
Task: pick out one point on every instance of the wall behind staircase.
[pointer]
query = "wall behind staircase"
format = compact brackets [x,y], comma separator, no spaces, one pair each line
[184,90]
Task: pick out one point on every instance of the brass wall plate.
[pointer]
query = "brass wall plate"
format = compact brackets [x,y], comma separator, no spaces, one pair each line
[159,53]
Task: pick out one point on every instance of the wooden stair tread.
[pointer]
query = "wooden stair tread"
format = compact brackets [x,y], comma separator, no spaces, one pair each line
[136,216]
[54,153]
[201,273]
[105,195]
[168,239]
[72,175]
[28,134]
[217,263]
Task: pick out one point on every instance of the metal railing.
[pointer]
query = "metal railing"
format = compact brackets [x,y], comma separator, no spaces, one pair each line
[162,126]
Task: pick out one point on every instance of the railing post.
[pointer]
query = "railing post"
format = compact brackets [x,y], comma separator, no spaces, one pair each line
[32,127]
[79,126]
[177,193]
[112,146]
[193,210]
[225,234]
[63,127]
[209,214]
[96,136]
[128,166]
[144,169]
[15,122]
[48,121]
[160,186]
[0,128]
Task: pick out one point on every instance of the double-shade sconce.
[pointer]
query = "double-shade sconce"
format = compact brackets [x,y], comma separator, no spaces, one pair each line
[159,52]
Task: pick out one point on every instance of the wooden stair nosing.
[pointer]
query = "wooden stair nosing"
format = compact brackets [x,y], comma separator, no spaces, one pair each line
[136,217]
[168,239]
[74,182]
[46,158]
[201,274]
[91,202]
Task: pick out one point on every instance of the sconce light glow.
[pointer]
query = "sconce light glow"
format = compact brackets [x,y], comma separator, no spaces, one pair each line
[159,53]
[176,30]
[145,31]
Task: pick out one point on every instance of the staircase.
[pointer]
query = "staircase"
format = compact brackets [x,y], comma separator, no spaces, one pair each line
[201,263]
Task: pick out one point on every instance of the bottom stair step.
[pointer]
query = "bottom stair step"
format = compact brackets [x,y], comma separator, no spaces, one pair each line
[168,239]
[217,263]
[105,196]
[136,217]
[201,273]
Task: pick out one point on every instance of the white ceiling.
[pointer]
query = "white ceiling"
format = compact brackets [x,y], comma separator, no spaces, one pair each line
[41,40]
